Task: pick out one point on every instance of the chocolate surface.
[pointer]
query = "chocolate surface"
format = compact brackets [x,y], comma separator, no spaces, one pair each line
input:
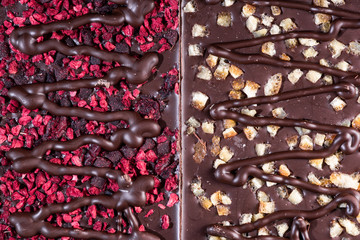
[306,105]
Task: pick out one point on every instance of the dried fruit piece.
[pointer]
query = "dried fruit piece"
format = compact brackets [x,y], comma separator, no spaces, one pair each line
[215,147]
[279,113]
[204,73]
[199,100]
[248,10]
[235,72]
[335,229]
[336,48]
[275,10]
[267,207]
[295,75]
[251,89]
[338,104]
[272,87]
[306,143]
[288,25]
[310,53]
[224,19]
[344,180]
[268,48]
[208,127]
[284,170]
[205,202]
[195,50]
[250,132]
[199,151]
[199,31]
[190,7]
[212,60]
[226,154]
[252,23]
[296,197]
[316,163]
[281,229]
[222,71]
[229,133]
[222,210]
[333,162]
[350,226]
[313,76]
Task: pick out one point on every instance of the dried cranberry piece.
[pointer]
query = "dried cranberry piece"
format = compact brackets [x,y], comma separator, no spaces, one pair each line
[4,50]
[122,48]
[87,36]
[128,152]
[102,162]
[163,148]
[59,59]
[20,78]
[40,76]
[114,156]
[148,144]
[98,182]
[149,108]
[172,36]
[115,103]
[85,93]
[94,60]
[61,74]
[69,41]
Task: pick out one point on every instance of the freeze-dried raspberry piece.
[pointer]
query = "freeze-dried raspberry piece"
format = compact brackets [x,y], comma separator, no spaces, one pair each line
[165,219]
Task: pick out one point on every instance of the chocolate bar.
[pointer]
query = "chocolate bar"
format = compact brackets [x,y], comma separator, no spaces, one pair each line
[270,111]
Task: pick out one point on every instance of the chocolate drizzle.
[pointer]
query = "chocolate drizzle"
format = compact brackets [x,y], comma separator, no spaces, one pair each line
[34,96]
[347,139]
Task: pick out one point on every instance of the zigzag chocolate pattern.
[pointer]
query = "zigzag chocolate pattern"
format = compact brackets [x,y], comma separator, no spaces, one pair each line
[34,96]
[237,172]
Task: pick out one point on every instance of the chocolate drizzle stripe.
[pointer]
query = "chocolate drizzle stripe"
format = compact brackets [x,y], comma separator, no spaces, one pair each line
[34,96]
[238,172]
